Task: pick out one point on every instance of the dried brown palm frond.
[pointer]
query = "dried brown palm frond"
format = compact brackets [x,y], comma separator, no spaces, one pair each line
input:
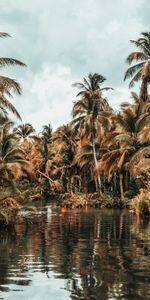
[144,135]
[9,201]
[142,154]
[137,56]
[142,166]
[143,120]
[146,70]
[146,107]
[57,186]
[7,84]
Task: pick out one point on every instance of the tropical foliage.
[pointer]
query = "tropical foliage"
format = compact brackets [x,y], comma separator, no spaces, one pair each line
[100,152]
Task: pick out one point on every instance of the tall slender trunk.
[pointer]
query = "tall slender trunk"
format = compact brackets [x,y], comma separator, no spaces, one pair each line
[115,181]
[126,181]
[96,187]
[143,90]
[121,186]
[96,167]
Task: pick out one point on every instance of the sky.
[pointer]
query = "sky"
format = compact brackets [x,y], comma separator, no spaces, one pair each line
[63,41]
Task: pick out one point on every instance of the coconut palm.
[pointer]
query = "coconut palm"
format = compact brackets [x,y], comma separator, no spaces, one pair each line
[141,70]
[61,151]
[92,84]
[65,143]
[89,111]
[8,86]
[85,160]
[44,144]
[12,157]
[24,131]
[47,132]
[112,164]
[128,143]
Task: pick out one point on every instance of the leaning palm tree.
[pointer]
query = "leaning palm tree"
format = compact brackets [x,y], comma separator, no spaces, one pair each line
[140,70]
[8,86]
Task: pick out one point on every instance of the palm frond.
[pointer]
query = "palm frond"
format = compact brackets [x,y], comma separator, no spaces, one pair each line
[136,56]
[133,69]
[144,135]
[6,61]
[135,78]
[4,34]
[8,105]
[7,84]
[142,44]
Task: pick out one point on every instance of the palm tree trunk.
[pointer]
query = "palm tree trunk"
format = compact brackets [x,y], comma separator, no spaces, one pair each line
[115,182]
[121,186]
[126,181]
[143,90]
[95,159]
[96,166]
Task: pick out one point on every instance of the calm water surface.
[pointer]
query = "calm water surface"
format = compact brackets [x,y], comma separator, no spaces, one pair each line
[93,254]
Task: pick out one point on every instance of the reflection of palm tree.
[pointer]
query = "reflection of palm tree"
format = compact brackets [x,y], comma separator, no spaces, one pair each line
[8,85]
[140,70]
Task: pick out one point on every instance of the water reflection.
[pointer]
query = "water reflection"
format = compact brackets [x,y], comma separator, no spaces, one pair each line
[93,254]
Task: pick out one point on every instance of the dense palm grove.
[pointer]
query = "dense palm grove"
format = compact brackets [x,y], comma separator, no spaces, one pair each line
[99,152]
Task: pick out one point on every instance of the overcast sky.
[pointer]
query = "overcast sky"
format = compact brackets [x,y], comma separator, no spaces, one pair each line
[63,41]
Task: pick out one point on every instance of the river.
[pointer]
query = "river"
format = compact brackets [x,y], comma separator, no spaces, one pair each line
[80,255]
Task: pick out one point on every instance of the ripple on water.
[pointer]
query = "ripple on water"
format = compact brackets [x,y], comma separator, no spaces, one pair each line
[88,255]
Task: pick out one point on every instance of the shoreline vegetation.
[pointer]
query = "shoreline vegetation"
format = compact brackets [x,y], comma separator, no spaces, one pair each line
[101,158]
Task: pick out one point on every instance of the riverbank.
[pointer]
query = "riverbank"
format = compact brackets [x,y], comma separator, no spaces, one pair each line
[10,208]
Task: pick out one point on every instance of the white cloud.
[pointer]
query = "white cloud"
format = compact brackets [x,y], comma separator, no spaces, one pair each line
[119,95]
[61,42]
[48,96]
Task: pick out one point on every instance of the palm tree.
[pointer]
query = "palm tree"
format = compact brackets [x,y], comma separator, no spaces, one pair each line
[47,132]
[92,84]
[8,86]
[46,141]
[12,157]
[65,143]
[128,143]
[141,70]
[89,111]
[24,131]
[57,154]
[85,160]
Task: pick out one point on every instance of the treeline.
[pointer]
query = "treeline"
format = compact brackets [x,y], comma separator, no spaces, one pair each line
[100,150]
